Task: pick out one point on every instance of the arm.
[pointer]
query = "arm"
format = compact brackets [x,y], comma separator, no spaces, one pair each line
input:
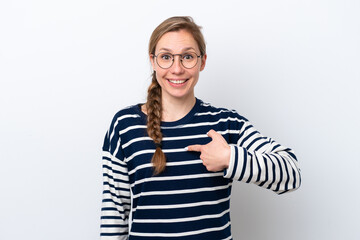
[260,160]
[116,190]
[254,159]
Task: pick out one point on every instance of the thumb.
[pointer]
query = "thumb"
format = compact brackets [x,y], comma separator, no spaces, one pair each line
[195,148]
[213,134]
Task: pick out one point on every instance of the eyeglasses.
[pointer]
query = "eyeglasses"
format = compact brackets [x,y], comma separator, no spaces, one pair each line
[165,60]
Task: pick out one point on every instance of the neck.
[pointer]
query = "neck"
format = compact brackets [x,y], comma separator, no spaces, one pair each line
[175,109]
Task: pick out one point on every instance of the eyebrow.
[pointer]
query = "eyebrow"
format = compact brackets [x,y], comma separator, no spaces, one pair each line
[169,50]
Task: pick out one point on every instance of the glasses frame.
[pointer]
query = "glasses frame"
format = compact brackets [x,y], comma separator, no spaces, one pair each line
[173,59]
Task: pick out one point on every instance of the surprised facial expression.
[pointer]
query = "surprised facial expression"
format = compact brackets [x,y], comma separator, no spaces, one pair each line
[177,82]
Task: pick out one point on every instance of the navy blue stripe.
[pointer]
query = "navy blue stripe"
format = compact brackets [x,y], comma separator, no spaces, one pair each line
[294,176]
[251,167]
[244,164]
[247,137]
[266,173]
[273,170]
[116,203]
[113,225]
[243,132]
[259,169]
[114,217]
[275,147]
[115,179]
[116,196]
[115,163]
[108,209]
[283,192]
[286,187]
[114,171]
[235,162]
[114,234]
[291,154]
[281,173]
[262,144]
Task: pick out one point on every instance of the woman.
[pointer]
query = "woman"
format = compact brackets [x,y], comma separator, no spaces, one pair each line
[169,163]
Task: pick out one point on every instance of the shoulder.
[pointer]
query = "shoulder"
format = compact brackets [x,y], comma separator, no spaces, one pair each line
[211,111]
[125,117]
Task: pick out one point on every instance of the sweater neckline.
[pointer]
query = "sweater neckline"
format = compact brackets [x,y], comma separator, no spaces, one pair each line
[181,121]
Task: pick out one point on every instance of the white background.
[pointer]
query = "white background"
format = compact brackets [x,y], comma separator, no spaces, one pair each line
[291,67]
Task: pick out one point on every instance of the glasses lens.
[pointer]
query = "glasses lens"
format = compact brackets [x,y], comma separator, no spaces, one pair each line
[164,60]
[189,60]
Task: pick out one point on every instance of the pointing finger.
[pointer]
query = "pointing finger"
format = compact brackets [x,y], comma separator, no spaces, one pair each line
[195,148]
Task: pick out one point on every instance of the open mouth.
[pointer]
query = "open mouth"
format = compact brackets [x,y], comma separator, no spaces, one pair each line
[177,82]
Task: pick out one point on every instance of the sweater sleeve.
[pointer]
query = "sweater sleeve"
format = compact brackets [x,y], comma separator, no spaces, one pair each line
[262,161]
[116,203]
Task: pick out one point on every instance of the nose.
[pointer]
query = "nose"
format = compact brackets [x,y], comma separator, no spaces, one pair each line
[177,67]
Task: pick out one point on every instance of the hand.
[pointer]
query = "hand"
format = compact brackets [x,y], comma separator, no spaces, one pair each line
[216,154]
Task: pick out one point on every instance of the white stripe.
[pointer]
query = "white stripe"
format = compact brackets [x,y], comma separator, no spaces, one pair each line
[185,125]
[180,234]
[174,150]
[228,238]
[117,147]
[184,191]
[182,205]
[205,123]
[185,137]
[152,151]
[165,139]
[113,221]
[192,176]
[131,128]
[167,164]
[230,169]
[109,155]
[113,230]
[211,113]
[179,137]
[187,219]
[136,140]
[115,167]
[120,198]
[139,153]
[121,118]
[140,167]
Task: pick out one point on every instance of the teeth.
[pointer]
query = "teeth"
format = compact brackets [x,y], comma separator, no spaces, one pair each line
[177,81]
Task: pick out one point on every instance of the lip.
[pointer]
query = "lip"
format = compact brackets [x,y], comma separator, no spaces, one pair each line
[177,82]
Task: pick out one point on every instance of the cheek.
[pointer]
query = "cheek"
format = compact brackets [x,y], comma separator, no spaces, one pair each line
[160,73]
[160,77]
[196,74]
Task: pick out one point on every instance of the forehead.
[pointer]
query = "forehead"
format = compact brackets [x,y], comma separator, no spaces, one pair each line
[177,41]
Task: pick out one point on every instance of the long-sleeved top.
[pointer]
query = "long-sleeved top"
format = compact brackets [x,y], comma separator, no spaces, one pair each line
[185,201]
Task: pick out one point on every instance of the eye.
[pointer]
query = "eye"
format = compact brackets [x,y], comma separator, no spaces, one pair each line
[165,56]
[188,56]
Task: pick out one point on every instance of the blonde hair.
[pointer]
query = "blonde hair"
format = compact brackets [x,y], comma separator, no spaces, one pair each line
[154,101]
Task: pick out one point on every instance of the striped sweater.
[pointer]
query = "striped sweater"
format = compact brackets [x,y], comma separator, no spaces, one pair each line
[186,201]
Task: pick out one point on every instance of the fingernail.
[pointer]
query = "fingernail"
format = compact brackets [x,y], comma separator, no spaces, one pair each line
[186,149]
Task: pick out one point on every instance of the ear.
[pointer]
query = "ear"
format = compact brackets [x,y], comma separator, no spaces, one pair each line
[152,60]
[203,62]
